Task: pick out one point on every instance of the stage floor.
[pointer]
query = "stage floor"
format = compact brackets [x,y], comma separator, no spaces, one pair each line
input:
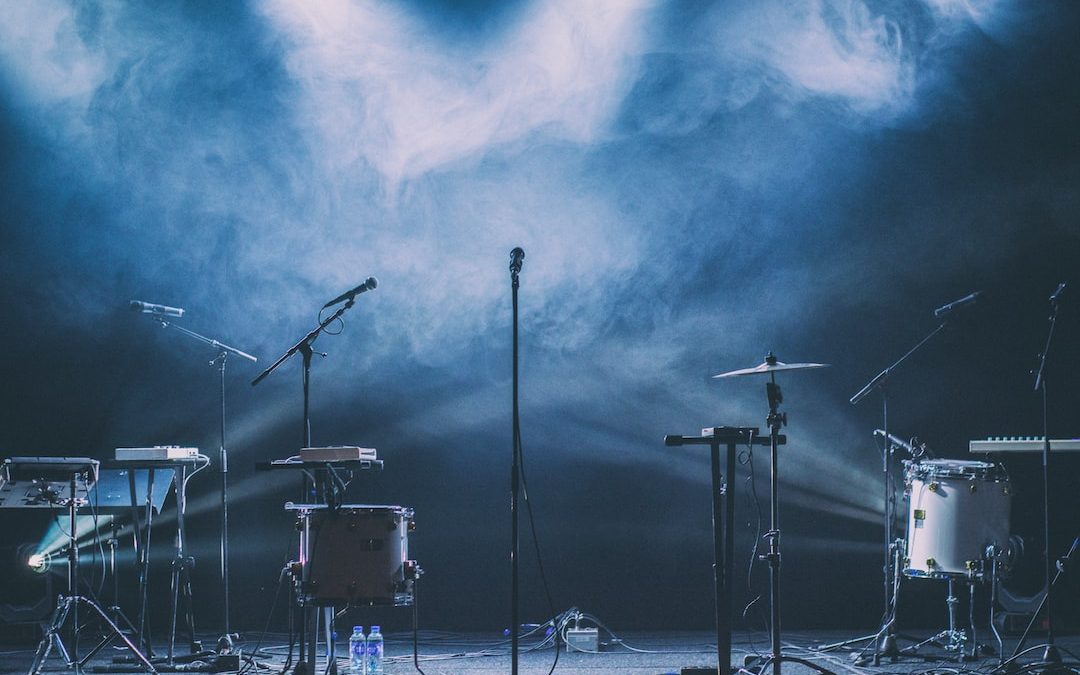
[443,653]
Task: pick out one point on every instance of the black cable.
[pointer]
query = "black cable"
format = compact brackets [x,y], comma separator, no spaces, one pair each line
[266,626]
[340,321]
[416,626]
[536,544]
[750,480]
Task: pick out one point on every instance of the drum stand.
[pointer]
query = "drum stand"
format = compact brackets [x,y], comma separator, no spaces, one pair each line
[952,639]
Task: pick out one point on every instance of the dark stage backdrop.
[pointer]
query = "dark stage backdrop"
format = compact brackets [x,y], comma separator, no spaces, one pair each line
[694,184]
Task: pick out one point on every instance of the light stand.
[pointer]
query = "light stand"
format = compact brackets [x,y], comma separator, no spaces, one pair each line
[225,642]
[516,258]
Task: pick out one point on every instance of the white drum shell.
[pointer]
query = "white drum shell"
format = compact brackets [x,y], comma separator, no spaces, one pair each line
[956,510]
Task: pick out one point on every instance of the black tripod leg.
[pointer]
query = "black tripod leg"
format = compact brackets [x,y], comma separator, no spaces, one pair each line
[115,633]
[51,635]
[189,612]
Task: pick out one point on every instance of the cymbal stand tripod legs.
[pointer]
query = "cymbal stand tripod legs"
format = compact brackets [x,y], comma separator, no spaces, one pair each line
[775,421]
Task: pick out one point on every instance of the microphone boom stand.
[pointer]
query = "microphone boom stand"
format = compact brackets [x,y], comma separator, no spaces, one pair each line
[220,361]
[885,639]
[306,666]
[1052,657]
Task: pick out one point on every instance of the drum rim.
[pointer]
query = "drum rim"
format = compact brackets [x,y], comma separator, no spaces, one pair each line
[956,463]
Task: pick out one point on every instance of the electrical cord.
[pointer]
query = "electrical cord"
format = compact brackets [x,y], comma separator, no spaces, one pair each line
[748,461]
[535,539]
[416,626]
[269,617]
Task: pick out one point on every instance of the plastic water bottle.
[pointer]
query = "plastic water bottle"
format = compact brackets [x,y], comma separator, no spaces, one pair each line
[357,652]
[375,652]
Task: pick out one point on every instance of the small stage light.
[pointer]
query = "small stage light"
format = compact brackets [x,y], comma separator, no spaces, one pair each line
[39,562]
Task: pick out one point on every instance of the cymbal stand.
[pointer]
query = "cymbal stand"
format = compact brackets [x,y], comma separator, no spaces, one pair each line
[775,420]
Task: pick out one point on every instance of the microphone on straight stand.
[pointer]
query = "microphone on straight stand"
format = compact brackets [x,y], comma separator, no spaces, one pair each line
[945,310]
[516,258]
[156,310]
[370,284]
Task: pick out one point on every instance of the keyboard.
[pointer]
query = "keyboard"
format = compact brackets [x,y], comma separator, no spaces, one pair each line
[1022,444]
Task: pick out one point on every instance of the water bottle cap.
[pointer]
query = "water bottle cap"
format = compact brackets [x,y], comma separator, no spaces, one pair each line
[358,629]
[374,629]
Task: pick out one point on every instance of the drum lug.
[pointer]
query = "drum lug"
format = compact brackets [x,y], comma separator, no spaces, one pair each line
[932,487]
[931,563]
[971,485]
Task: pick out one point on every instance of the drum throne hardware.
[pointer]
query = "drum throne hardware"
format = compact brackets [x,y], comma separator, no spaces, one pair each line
[775,420]
[80,473]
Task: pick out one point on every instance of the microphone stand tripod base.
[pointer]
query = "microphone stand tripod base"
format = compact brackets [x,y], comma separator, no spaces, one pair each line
[887,649]
[1051,655]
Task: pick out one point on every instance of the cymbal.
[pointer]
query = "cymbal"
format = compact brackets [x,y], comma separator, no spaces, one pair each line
[771,365]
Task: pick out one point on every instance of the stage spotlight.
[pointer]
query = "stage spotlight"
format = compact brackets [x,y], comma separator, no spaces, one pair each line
[39,562]
[26,595]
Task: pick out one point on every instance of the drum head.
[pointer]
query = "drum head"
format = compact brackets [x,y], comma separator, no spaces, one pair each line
[957,465]
[937,469]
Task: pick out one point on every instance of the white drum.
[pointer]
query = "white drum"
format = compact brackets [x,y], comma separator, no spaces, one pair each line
[956,509]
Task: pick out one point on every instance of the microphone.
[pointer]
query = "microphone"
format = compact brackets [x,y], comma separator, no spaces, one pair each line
[156,310]
[516,258]
[370,284]
[1057,294]
[945,310]
[896,441]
